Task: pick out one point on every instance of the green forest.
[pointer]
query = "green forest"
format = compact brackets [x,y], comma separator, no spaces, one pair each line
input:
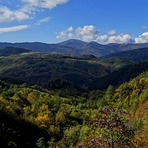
[66,101]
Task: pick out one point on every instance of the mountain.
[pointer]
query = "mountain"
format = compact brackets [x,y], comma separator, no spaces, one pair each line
[92,48]
[75,47]
[136,55]
[128,46]
[37,68]
[73,43]
[119,59]
[57,71]
[12,51]
[98,49]
[119,76]
[43,47]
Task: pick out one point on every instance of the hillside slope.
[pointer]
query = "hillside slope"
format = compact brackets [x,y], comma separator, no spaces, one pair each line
[33,117]
[39,68]
[136,55]
[12,51]
[80,73]
[119,76]
[121,59]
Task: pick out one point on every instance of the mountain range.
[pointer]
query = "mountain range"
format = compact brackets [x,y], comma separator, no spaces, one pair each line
[75,47]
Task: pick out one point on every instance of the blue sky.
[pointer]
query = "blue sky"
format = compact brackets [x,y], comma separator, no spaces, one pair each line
[52,21]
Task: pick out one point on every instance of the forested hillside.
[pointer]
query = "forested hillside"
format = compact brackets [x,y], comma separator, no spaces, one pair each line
[137,55]
[39,68]
[12,51]
[76,73]
[35,117]
[66,101]
[119,76]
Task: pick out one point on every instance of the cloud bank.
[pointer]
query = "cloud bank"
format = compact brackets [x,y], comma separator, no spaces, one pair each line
[91,33]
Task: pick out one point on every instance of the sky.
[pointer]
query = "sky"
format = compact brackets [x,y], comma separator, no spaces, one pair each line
[53,21]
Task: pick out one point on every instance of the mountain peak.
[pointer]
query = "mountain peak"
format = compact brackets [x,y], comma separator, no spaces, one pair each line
[73,43]
[94,43]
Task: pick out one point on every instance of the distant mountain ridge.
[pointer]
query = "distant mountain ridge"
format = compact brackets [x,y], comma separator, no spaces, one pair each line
[136,55]
[75,47]
[12,51]
[73,43]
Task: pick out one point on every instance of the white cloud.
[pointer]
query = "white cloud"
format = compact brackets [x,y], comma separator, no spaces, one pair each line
[61,35]
[48,4]
[68,33]
[14,28]
[123,38]
[142,38]
[41,21]
[112,32]
[26,9]
[87,33]
[102,38]
[7,15]
[70,29]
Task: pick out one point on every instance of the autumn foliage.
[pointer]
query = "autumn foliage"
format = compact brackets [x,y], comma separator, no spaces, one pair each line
[116,118]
